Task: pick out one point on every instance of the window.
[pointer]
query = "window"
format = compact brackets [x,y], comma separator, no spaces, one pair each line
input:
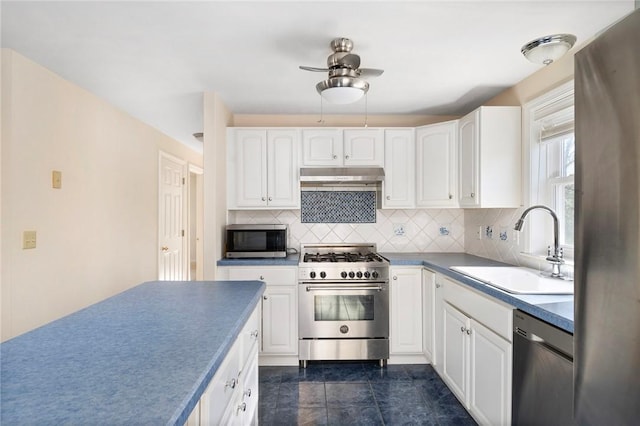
[551,166]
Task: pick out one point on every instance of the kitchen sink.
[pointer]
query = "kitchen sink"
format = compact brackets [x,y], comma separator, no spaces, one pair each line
[518,280]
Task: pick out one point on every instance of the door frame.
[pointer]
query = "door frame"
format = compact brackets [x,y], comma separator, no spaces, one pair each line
[198,172]
[162,156]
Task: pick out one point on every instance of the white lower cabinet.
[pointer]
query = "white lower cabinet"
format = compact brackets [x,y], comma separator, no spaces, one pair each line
[405,339]
[279,320]
[476,360]
[428,314]
[232,396]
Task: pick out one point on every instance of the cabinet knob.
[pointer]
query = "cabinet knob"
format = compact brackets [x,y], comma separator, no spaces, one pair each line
[388,197]
[265,297]
[261,278]
[335,156]
[231,383]
[270,199]
[395,278]
[462,329]
[438,285]
[248,393]
[473,195]
[165,248]
[254,334]
[468,331]
[242,407]
[346,157]
[450,196]
[264,199]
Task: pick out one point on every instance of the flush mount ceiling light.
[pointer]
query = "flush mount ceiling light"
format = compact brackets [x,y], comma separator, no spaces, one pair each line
[346,82]
[547,49]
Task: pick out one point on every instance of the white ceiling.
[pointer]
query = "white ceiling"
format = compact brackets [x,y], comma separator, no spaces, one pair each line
[155,59]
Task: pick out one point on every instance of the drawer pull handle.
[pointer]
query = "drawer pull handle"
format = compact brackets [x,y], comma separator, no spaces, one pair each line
[231,384]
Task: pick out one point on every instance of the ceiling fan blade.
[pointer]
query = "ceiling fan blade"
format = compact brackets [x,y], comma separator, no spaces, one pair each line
[314,69]
[369,72]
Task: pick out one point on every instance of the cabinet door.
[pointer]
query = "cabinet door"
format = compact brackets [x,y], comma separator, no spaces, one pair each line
[251,168]
[428,313]
[283,183]
[437,165]
[438,352]
[490,381]
[406,311]
[455,352]
[364,147]
[398,188]
[322,147]
[280,320]
[469,143]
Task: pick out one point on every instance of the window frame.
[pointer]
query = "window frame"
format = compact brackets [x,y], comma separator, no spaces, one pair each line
[542,191]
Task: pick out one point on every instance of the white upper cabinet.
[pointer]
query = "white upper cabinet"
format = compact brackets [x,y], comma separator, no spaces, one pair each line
[322,147]
[364,147]
[398,188]
[263,169]
[338,148]
[489,141]
[436,149]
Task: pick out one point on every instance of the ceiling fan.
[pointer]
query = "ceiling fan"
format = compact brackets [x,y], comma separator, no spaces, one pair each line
[346,82]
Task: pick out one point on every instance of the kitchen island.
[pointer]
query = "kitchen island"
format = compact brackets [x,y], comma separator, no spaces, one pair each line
[144,356]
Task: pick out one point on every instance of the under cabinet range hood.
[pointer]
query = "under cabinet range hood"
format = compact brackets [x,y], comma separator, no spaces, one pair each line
[351,176]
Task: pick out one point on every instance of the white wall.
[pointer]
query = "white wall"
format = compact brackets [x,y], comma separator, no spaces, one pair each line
[97,235]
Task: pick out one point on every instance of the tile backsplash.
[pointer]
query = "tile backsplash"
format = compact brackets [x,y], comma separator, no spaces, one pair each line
[489,233]
[432,230]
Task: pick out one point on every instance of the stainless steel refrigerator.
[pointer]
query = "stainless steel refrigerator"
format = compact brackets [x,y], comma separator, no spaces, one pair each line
[607,276]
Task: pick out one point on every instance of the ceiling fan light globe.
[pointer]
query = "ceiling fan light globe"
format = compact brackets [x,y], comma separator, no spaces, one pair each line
[342,90]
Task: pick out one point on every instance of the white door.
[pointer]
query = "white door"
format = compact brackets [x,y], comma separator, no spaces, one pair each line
[171,221]
[322,147]
[283,183]
[455,355]
[469,144]
[436,168]
[280,320]
[490,369]
[398,189]
[364,147]
[406,311]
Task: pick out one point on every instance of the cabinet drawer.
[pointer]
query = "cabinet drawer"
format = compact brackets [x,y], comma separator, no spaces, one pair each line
[493,314]
[222,387]
[272,276]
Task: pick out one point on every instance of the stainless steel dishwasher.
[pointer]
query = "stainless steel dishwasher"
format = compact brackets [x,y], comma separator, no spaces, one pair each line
[542,372]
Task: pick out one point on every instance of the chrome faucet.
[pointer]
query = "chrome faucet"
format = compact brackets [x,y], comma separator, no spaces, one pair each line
[555,258]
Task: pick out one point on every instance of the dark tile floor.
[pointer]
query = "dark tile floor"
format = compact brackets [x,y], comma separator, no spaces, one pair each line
[357,393]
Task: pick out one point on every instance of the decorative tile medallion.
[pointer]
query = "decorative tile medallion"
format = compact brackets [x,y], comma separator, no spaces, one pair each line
[338,207]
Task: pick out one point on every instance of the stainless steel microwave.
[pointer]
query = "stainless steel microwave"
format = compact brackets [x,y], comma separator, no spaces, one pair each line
[256,241]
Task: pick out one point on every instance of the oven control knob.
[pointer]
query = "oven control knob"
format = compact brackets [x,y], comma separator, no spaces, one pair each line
[367,274]
[359,274]
[374,274]
[351,274]
[312,274]
[343,274]
[323,274]
[344,329]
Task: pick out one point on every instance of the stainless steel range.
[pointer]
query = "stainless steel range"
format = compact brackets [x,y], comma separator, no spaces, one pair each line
[343,309]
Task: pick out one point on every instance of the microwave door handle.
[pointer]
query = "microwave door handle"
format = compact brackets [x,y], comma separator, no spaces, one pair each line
[344,287]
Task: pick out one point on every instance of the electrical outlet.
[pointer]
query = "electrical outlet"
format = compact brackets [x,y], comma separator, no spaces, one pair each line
[444,230]
[399,230]
[56,179]
[29,240]
[488,232]
[504,235]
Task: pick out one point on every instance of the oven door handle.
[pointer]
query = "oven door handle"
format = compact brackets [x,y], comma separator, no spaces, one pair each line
[344,287]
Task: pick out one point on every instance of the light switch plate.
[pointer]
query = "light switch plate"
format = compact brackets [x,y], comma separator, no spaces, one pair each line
[29,240]
[56,179]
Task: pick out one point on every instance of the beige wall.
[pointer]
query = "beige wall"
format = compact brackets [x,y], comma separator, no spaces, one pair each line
[255,120]
[97,236]
[217,118]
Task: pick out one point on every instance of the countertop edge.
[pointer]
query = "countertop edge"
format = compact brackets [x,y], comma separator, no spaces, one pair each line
[183,412]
